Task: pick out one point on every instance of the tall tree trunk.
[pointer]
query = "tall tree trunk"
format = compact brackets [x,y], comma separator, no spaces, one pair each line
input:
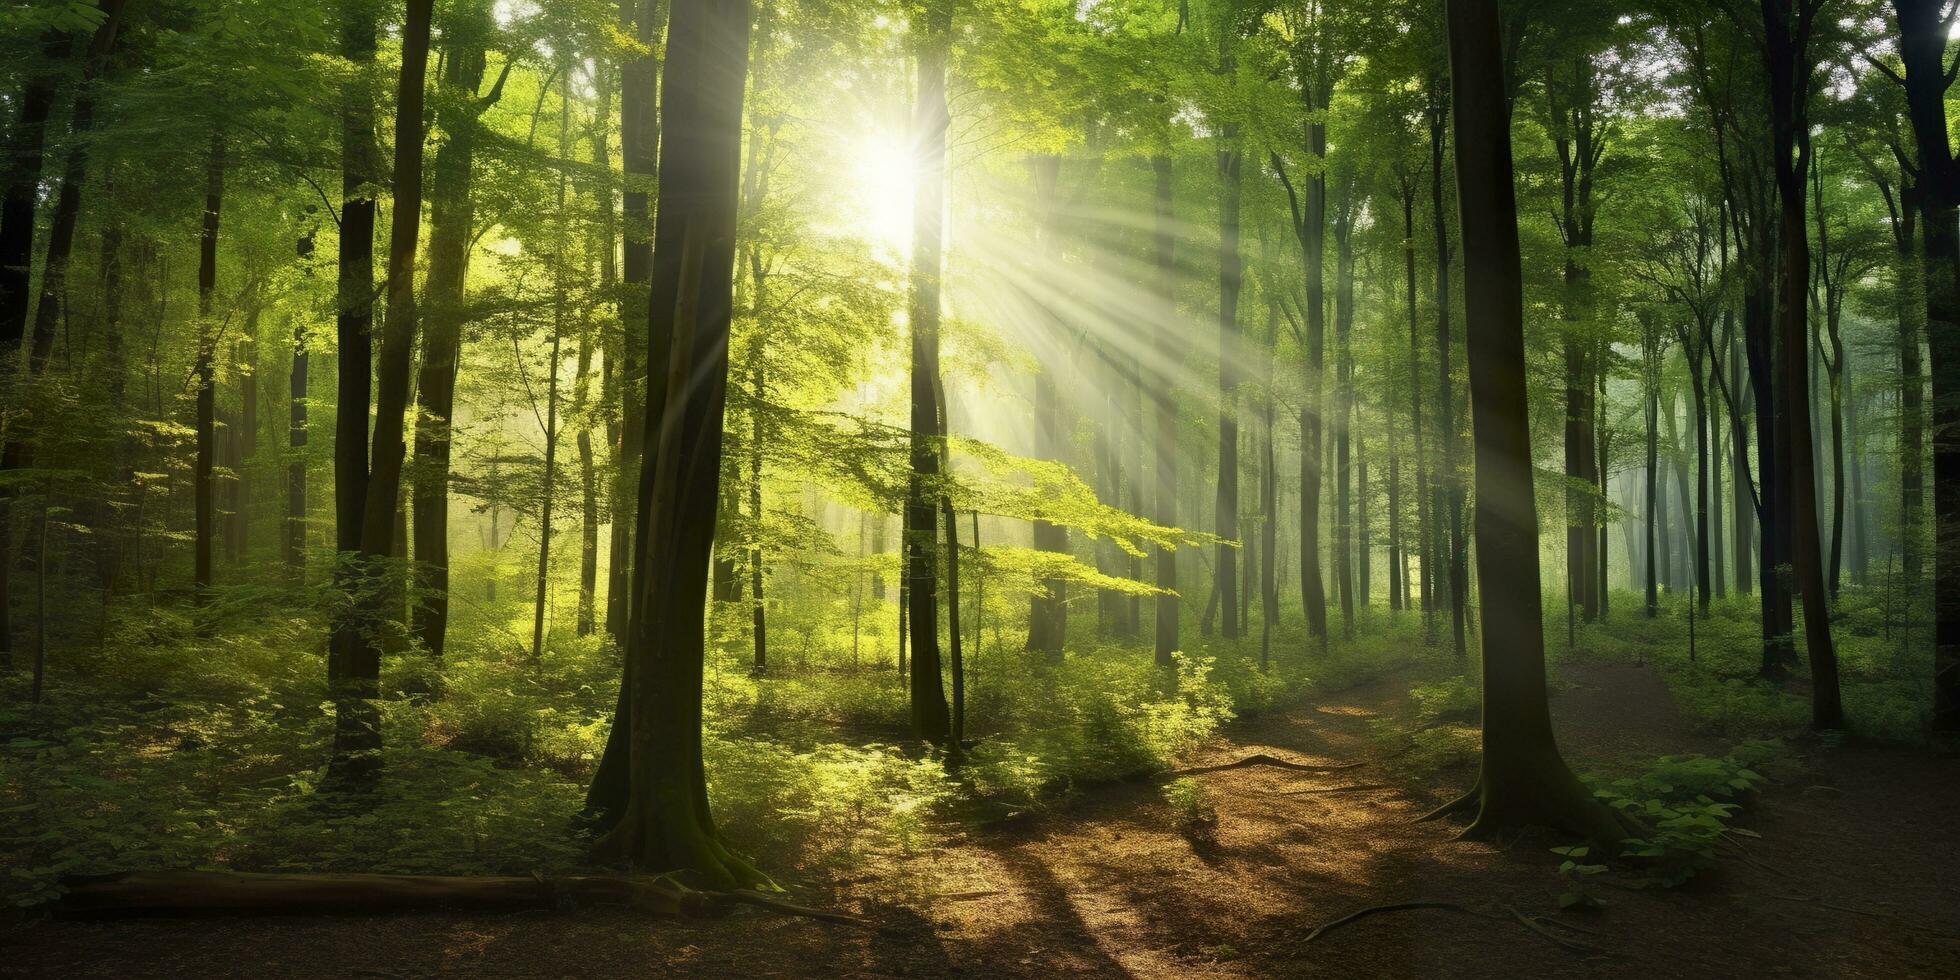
[1787,55]
[1449,487]
[451,215]
[1702,573]
[548,487]
[393,364]
[1744,527]
[1048,607]
[931,717]
[1416,426]
[1398,569]
[351,682]
[758,612]
[296,432]
[1344,407]
[207,285]
[1651,499]
[1231,276]
[20,191]
[1524,780]
[1364,540]
[1316,84]
[1923,42]
[49,315]
[1163,240]
[639,141]
[666,823]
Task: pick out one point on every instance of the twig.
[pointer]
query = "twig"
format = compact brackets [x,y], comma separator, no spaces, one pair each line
[1262,759]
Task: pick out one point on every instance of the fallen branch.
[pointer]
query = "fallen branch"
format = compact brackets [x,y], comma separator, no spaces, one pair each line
[1379,909]
[1334,789]
[221,892]
[1262,759]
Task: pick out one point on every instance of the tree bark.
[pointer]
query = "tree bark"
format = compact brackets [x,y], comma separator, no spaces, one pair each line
[451,216]
[1449,487]
[48,316]
[666,823]
[1231,276]
[1786,51]
[931,716]
[352,680]
[1923,42]
[1524,780]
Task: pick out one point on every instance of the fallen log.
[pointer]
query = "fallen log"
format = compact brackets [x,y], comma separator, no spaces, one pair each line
[236,892]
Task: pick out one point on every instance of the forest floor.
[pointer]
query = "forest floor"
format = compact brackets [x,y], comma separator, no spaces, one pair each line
[1857,873]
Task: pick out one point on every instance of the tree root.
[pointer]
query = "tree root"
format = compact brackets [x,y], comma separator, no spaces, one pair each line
[1335,789]
[1833,906]
[1262,759]
[1465,802]
[1537,924]
[227,892]
[1328,927]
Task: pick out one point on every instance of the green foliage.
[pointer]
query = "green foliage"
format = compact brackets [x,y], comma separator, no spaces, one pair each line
[1191,808]
[1684,803]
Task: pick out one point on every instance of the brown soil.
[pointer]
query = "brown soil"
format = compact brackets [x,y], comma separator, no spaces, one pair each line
[1857,874]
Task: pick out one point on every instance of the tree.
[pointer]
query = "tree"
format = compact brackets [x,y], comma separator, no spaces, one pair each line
[1787,40]
[451,215]
[1524,780]
[1923,41]
[667,823]
[932,37]
[358,739]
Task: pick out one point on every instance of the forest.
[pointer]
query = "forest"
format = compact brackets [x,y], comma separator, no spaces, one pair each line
[1131,488]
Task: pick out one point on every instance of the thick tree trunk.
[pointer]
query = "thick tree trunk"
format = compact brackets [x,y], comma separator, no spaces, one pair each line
[1789,71]
[1923,43]
[666,823]
[1524,779]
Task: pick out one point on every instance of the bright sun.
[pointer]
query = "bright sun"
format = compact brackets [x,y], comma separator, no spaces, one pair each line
[884,191]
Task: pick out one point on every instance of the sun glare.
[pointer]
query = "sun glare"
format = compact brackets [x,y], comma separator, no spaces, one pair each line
[884,178]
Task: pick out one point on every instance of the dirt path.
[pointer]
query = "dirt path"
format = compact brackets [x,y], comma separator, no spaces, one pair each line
[1858,874]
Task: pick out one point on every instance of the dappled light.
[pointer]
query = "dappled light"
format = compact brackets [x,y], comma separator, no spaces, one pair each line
[1022,488]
